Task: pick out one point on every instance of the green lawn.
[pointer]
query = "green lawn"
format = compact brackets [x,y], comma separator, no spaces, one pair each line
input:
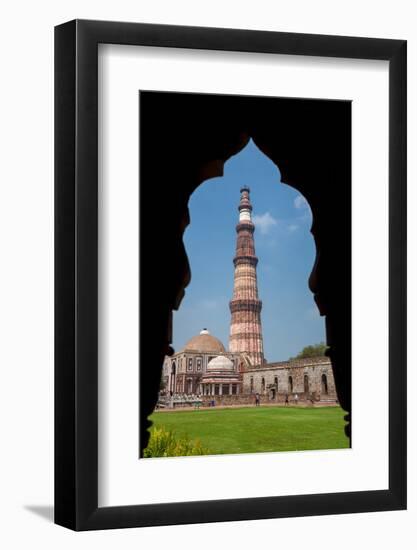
[262,429]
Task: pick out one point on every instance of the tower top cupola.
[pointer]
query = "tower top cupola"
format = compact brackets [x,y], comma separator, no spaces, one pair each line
[245,206]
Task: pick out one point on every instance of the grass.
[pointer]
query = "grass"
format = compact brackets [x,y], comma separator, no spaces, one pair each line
[261,429]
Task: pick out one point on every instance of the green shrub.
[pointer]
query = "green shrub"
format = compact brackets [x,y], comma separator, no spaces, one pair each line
[166,443]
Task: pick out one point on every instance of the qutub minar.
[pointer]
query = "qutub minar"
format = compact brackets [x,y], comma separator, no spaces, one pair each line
[203,370]
[245,306]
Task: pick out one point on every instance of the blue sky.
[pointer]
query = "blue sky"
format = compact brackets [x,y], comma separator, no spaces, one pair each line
[283,244]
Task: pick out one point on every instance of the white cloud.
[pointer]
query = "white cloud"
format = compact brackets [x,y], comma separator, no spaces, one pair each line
[292,227]
[264,222]
[300,202]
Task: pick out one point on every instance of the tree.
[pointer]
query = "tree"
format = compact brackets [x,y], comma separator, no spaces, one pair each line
[314,350]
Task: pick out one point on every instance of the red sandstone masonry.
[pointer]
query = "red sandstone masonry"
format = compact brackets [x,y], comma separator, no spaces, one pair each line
[245,306]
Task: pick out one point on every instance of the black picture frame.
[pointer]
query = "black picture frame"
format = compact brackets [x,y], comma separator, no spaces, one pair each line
[76,269]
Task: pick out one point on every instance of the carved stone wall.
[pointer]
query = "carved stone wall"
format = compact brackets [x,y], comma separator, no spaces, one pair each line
[273,380]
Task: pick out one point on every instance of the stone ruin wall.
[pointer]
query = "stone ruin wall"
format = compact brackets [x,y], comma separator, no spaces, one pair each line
[282,371]
[297,371]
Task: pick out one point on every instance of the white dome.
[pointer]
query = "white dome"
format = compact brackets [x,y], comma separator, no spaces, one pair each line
[220,363]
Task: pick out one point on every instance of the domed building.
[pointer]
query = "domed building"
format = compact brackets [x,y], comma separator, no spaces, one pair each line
[184,371]
[204,343]
[221,377]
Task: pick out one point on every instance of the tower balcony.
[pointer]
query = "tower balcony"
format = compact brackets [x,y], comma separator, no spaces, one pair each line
[248,304]
[245,226]
[245,259]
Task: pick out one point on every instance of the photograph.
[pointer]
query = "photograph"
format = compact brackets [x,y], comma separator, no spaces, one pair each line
[250,370]
[230,261]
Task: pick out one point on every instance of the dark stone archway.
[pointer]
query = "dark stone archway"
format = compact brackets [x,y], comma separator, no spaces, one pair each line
[186,139]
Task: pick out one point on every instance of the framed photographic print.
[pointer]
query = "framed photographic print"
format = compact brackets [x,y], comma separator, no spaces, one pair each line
[230,275]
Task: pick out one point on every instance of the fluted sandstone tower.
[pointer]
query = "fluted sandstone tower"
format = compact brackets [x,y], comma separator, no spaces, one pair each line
[245,306]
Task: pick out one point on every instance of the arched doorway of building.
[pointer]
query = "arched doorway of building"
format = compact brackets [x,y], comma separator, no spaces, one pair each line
[276,387]
[173,378]
[306,384]
[324,388]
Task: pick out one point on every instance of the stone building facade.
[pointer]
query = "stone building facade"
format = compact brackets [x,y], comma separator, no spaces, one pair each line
[204,368]
[201,357]
[309,379]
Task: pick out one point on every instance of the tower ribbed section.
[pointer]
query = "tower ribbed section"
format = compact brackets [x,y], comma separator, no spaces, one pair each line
[245,306]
